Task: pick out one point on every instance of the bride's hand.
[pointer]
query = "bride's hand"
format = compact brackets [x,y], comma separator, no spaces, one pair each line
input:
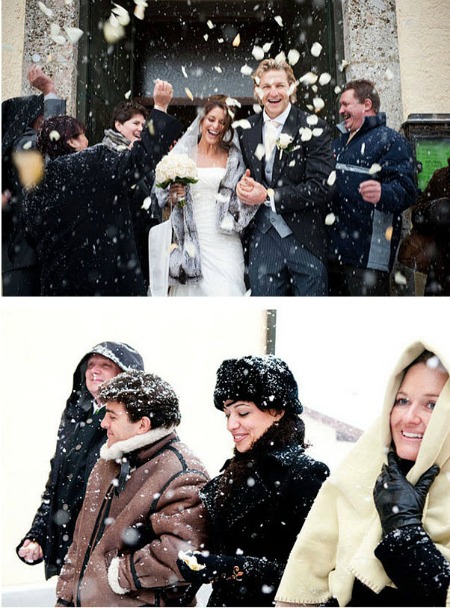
[176,193]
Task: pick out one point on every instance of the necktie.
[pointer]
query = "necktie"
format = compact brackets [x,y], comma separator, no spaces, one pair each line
[270,137]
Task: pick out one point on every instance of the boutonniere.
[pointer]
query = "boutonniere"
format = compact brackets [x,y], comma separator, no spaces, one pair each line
[285,143]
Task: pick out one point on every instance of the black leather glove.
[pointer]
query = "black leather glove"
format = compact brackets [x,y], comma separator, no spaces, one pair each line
[215,567]
[398,502]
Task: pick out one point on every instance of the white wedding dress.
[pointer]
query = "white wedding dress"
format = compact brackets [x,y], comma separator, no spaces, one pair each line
[222,258]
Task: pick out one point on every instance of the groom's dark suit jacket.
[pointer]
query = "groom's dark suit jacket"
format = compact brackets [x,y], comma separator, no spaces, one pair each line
[299,178]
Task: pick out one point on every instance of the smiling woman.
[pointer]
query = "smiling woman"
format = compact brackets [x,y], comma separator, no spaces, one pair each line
[265,491]
[393,550]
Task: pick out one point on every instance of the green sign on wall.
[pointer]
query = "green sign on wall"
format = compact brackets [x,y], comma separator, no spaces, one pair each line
[433,154]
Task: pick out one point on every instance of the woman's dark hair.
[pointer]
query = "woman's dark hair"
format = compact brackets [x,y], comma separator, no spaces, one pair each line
[125,110]
[220,101]
[424,358]
[53,138]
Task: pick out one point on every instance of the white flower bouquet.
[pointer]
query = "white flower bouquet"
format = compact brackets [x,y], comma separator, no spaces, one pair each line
[176,168]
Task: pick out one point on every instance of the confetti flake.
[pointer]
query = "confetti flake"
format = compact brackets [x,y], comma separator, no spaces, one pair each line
[113,31]
[309,78]
[279,20]
[244,124]
[259,151]
[127,95]
[331,178]
[266,47]
[388,233]
[246,70]
[121,14]
[318,103]
[237,40]
[324,78]
[47,11]
[375,168]
[210,24]
[258,53]
[316,49]
[73,34]
[389,74]
[293,57]
[330,219]
[189,94]
[399,278]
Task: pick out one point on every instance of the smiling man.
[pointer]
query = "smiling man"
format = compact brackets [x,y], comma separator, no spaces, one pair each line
[375,183]
[142,504]
[289,160]
[80,437]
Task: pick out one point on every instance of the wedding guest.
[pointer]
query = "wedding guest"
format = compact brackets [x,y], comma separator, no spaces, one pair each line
[378,533]
[22,118]
[141,507]
[257,506]
[208,258]
[127,122]
[80,437]
[77,216]
[289,161]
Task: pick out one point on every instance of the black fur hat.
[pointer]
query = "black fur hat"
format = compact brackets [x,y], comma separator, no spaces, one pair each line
[265,380]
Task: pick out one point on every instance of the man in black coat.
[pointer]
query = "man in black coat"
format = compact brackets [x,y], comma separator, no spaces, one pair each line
[289,160]
[80,220]
[80,438]
[21,119]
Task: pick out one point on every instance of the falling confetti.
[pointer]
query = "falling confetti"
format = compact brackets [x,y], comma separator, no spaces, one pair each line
[54,136]
[331,178]
[36,58]
[317,132]
[30,168]
[344,64]
[246,70]
[210,24]
[139,11]
[183,70]
[206,36]
[374,168]
[45,10]
[73,34]
[318,103]
[259,151]
[258,53]
[231,101]
[243,123]
[305,133]
[189,94]
[113,31]
[308,78]
[127,95]
[146,203]
[330,219]
[266,47]
[388,233]
[316,49]
[55,34]
[121,14]
[218,69]
[312,119]
[237,40]
[293,56]
[400,279]
[279,20]
[389,74]
[324,78]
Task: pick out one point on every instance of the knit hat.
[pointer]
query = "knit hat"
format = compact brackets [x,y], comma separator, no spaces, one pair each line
[143,394]
[265,380]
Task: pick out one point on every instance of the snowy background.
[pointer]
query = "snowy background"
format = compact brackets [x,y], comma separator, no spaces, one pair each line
[340,351]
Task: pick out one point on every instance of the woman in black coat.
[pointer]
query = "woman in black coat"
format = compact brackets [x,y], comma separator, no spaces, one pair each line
[79,219]
[257,506]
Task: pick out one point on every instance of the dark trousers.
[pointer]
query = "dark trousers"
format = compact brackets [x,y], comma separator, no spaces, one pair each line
[349,281]
[282,267]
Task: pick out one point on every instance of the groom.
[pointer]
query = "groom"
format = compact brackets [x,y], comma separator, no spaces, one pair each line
[289,160]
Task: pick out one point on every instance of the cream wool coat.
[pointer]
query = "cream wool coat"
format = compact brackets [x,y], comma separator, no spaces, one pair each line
[338,539]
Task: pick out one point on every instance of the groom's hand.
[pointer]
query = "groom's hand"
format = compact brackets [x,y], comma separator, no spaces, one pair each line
[250,191]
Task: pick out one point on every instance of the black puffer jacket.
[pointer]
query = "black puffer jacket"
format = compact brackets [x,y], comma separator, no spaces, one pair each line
[259,513]
[80,438]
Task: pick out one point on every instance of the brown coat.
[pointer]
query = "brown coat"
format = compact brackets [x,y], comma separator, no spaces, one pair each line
[156,514]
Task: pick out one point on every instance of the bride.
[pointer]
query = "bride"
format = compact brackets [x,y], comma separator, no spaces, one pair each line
[207,255]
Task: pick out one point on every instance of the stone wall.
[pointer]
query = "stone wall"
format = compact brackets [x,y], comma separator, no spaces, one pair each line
[13,22]
[59,60]
[371,51]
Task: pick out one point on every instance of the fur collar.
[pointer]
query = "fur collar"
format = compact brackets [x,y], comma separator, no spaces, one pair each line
[117,450]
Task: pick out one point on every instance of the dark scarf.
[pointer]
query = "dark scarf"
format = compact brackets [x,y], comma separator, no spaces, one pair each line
[287,431]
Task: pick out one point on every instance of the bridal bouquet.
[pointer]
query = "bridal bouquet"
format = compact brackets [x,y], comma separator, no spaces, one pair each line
[178,168]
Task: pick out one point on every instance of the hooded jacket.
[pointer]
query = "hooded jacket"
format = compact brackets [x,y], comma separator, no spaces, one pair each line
[54,522]
[361,234]
[340,548]
[151,514]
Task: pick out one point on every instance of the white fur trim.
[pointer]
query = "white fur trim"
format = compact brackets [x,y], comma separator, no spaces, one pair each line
[113,577]
[117,450]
